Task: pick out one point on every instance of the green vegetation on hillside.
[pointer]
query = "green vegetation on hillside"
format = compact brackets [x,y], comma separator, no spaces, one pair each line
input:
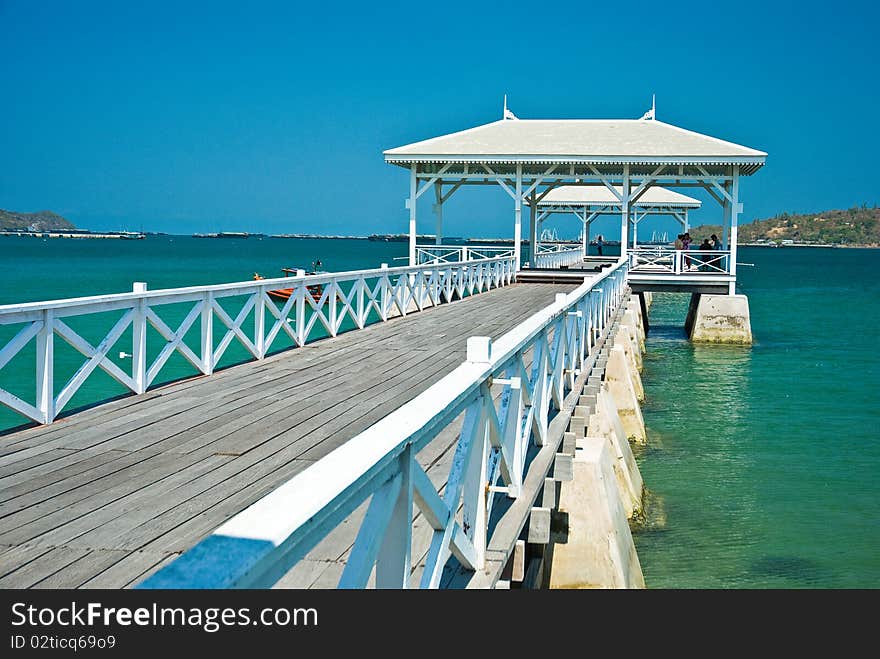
[40,221]
[857,226]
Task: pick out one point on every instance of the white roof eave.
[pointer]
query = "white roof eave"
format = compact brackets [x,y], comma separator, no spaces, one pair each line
[566,160]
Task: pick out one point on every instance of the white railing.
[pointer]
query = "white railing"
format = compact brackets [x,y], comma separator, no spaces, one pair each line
[435,254]
[557,256]
[317,306]
[497,403]
[675,261]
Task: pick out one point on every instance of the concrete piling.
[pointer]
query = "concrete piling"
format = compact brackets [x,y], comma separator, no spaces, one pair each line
[719,319]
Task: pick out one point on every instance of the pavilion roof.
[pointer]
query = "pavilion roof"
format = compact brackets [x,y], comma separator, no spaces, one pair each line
[599,195]
[578,141]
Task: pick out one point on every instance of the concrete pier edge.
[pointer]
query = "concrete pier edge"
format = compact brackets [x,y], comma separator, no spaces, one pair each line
[591,544]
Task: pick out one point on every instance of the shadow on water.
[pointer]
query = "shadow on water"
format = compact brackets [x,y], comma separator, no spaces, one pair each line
[793,570]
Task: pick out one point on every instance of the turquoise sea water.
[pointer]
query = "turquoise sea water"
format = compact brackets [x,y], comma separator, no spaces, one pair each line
[763,461]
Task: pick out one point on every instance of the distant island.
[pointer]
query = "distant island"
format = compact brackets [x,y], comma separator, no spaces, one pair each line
[39,221]
[46,224]
[856,227]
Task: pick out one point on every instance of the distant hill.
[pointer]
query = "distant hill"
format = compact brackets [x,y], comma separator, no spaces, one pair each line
[40,221]
[857,226]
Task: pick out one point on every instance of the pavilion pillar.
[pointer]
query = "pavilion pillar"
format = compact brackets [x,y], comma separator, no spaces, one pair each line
[635,230]
[438,213]
[517,220]
[533,230]
[735,210]
[687,224]
[585,236]
[624,213]
[725,221]
[411,203]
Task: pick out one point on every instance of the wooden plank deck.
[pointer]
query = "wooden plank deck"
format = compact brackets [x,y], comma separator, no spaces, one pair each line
[105,497]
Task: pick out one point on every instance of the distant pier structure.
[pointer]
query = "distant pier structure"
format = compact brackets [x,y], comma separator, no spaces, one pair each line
[464,421]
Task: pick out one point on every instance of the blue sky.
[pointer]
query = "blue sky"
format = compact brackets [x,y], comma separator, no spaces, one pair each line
[273,117]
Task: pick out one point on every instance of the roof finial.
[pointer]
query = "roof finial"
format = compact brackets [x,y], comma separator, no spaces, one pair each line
[507,113]
[651,114]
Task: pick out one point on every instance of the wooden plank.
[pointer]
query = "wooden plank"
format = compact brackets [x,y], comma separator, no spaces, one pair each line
[26,574]
[77,572]
[136,566]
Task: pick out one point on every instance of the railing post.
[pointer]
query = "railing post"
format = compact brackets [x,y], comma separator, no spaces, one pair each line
[464,254]
[474,512]
[385,293]
[331,302]
[139,339]
[46,367]
[361,284]
[394,562]
[300,292]
[208,333]
[260,324]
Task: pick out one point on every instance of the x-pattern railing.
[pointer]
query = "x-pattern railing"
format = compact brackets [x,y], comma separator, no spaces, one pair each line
[558,256]
[489,252]
[317,306]
[706,261]
[434,254]
[439,254]
[666,260]
[500,400]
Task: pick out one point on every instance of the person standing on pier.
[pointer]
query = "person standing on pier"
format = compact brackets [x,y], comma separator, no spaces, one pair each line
[599,243]
[716,242]
[704,257]
[686,245]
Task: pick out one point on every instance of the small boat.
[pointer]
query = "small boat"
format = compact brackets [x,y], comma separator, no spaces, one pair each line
[283,294]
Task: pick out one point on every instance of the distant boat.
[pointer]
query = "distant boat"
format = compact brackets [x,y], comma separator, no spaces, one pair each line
[232,234]
[284,294]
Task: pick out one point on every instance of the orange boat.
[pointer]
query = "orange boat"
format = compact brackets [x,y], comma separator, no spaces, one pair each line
[284,294]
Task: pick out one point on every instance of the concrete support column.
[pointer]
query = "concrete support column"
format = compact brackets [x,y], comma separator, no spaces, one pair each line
[719,319]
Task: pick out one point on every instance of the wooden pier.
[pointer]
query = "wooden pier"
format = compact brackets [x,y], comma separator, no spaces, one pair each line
[105,497]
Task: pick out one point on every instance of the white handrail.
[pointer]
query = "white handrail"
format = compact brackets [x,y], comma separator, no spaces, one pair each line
[557,258]
[668,260]
[455,253]
[315,306]
[259,545]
